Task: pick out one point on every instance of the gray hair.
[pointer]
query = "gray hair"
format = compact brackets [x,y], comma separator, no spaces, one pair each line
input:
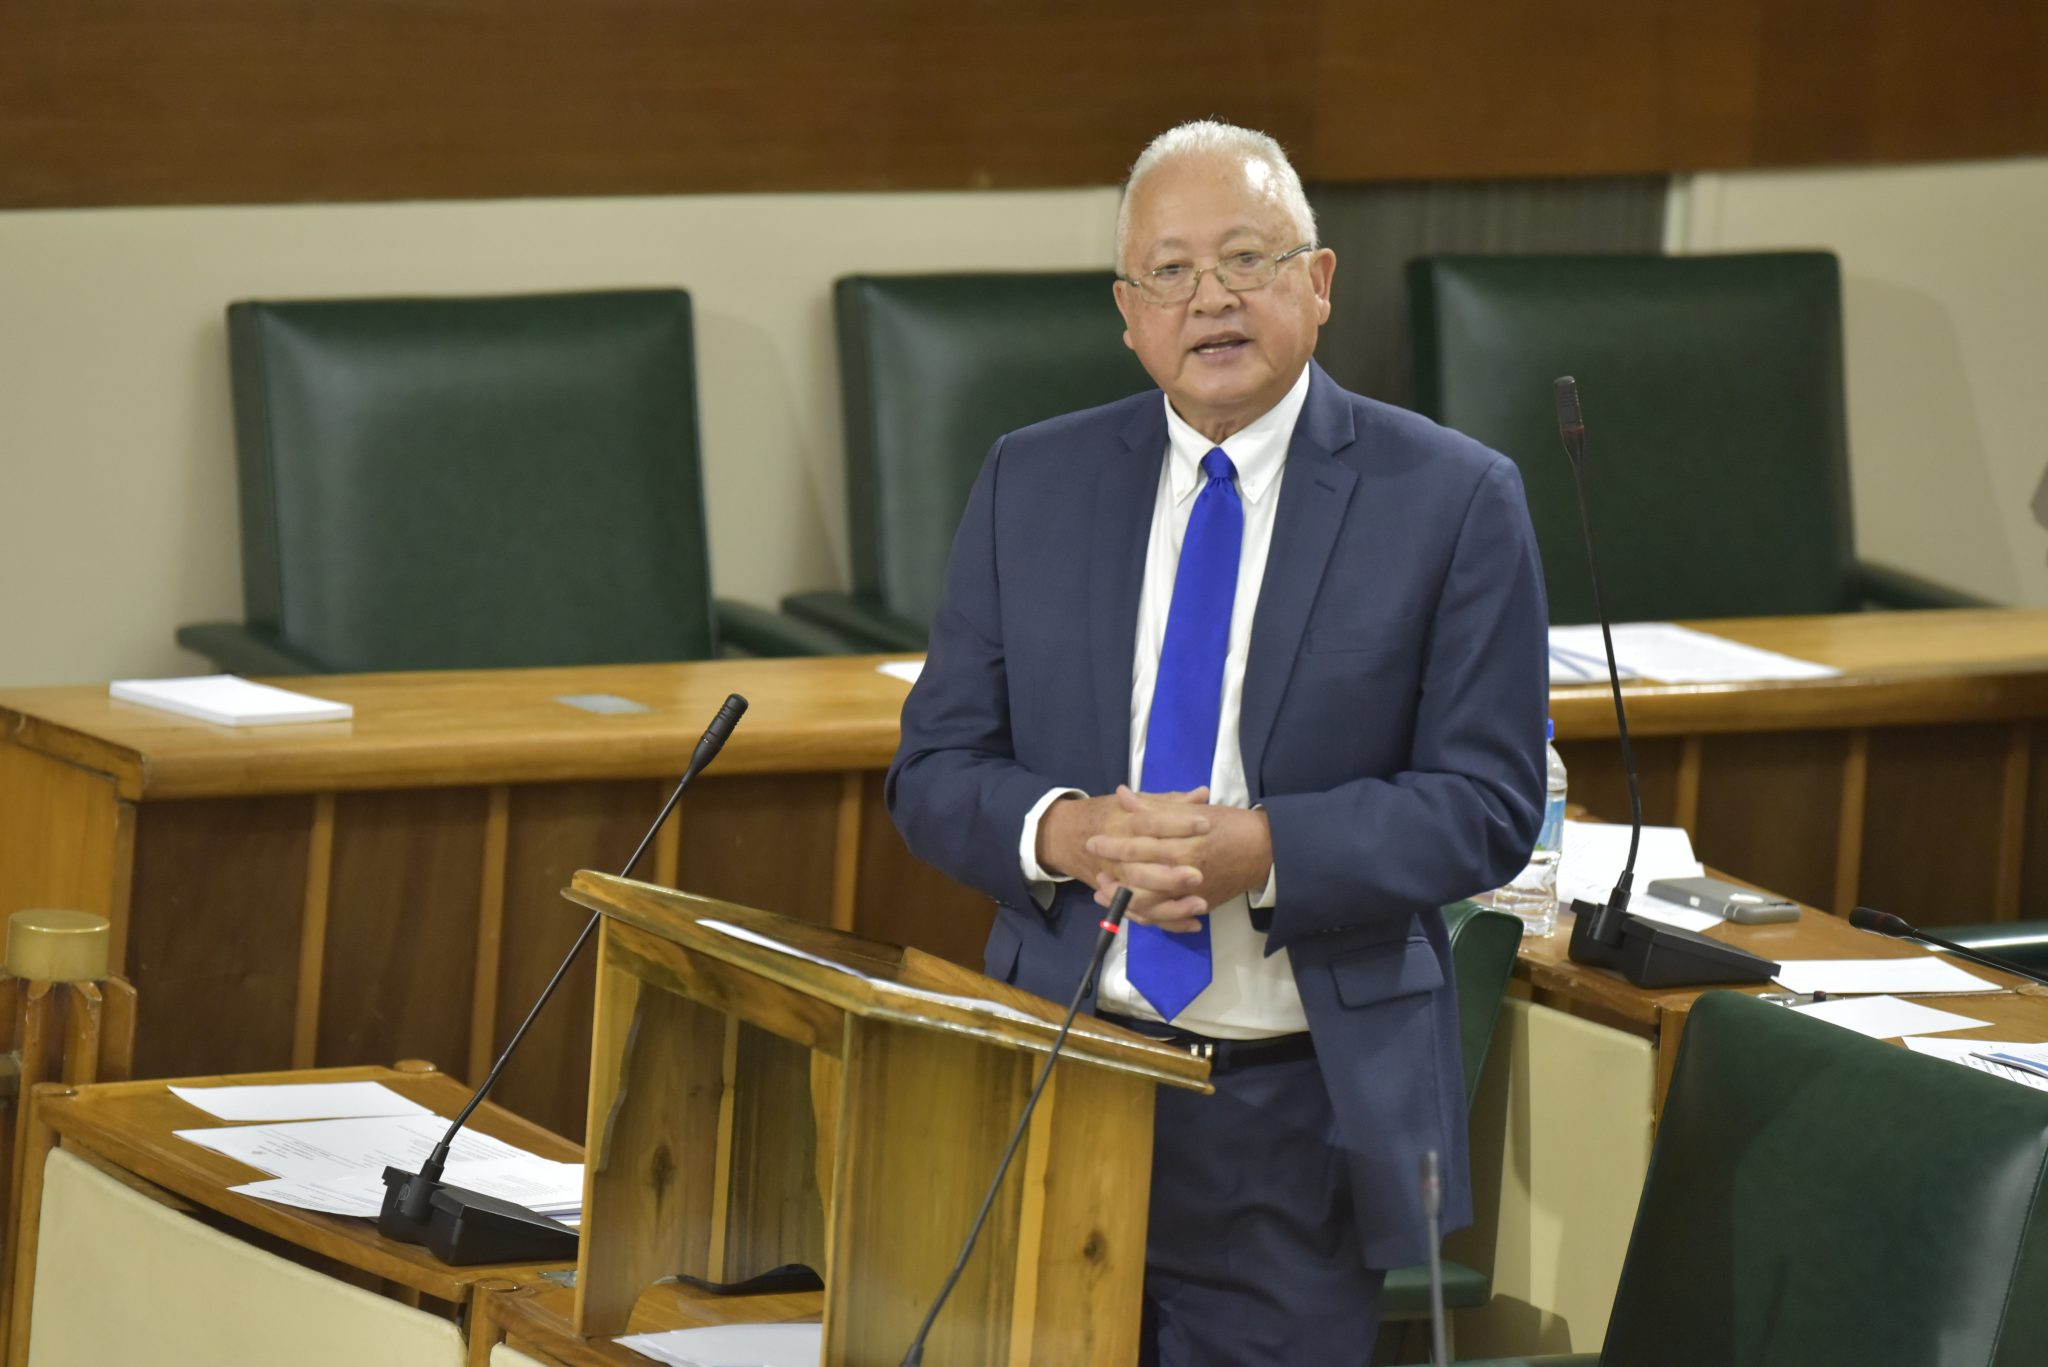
[1209,138]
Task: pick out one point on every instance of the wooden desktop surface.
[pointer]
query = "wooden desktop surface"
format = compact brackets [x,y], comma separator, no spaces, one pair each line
[390,887]
[536,1318]
[133,1125]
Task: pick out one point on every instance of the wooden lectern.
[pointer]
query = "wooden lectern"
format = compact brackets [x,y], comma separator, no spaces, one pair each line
[766,1091]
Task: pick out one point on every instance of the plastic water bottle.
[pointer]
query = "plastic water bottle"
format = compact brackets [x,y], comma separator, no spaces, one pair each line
[1533,894]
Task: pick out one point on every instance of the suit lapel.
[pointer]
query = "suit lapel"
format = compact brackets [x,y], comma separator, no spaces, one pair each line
[1122,516]
[1314,494]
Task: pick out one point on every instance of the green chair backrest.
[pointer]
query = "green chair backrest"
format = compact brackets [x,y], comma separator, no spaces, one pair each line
[1818,1197]
[472,483]
[934,368]
[1717,460]
[1483,945]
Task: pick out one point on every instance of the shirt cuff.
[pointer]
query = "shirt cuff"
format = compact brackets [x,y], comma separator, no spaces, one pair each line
[1271,895]
[1040,880]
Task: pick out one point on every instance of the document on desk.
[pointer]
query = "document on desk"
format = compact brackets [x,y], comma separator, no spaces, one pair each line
[300,1101]
[321,1150]
[1971,1054]
[1921,975]
[226,700]
[540,1184]
[733,1345]
[1887,1017]
[906,670]
[1670,654]
[1594,852]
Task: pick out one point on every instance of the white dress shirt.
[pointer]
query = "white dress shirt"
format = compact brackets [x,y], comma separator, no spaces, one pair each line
[1251,995]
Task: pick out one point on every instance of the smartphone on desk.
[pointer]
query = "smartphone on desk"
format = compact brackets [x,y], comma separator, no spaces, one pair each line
[1729,901]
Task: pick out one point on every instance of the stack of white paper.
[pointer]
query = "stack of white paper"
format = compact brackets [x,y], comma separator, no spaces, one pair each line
[1594,852]
[228,701]
[1669,654]
[338,1166]
[299,1101]
[906,670]
[733,1345]
[1983,1055]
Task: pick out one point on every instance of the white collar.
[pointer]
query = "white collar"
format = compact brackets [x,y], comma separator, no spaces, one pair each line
[1258,450]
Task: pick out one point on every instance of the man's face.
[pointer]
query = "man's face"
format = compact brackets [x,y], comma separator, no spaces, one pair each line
[1222,358]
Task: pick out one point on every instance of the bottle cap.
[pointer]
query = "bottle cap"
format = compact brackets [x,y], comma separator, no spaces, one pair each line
[1549,730]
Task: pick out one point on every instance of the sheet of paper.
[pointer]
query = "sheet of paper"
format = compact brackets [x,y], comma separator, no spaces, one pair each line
[1594,852]
[300,1101]
[228,701]
[1887,1017]
[541,1185]
[906,670]
[1968,1053]
[733,1345]
[1670,913]
[1675,654]
[1917,976]
[320,1150]
[1572,663]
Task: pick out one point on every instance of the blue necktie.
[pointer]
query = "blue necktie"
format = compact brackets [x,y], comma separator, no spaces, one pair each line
[1171,970]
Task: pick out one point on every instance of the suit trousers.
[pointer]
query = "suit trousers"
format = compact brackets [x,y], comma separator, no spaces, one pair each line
[1252,1254]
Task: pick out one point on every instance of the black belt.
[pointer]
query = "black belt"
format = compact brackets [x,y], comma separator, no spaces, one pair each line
[1224,1055]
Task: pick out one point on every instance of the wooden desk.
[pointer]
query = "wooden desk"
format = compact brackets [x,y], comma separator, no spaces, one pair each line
[390,887]
[128,1128]
[1546,975]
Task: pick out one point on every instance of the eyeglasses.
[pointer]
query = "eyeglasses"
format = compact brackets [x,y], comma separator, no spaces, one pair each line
[1239,272]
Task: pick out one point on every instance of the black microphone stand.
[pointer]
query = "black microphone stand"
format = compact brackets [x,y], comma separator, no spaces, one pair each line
[464,1228]
[1647,953]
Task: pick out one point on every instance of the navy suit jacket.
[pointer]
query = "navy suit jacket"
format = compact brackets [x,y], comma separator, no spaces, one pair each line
[1392,728]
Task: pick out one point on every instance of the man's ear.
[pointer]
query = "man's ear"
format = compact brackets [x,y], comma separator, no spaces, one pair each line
[1121,293]
[1322,269]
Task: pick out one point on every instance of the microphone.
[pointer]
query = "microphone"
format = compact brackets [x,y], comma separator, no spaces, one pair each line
[1111,922]
[1647,953]
[1432,1214]
[1884,923]
[463,1227]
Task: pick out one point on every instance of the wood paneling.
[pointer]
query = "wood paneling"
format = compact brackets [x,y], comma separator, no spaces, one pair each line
[556,829]
[246,101]
[216,959]
[1600,784]
[1770,808]
[402,926]
[1930,845]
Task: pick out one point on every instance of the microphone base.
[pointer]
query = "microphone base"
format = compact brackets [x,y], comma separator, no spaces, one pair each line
[1652,955]
[466,1228]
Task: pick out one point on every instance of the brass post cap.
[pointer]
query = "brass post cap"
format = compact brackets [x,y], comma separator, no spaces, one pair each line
[57,946]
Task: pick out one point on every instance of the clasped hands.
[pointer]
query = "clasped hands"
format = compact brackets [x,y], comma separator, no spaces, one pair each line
[1177,854]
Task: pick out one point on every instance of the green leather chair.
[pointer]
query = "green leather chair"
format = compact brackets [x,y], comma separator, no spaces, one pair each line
[1818,1197]
[934,368]
[1483,945]
[1717,451]
[473,483]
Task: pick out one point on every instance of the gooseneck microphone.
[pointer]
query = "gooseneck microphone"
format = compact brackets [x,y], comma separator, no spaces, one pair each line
[1111,922]
[1571,429]
[1647,953]
[462,1227]
[1884,923]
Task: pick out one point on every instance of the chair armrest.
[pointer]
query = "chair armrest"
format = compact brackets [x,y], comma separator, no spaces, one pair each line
[758,631]
[251,652]
[1887,587]
[861,618]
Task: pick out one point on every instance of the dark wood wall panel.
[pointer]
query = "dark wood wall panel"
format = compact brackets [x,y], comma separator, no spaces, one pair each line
[402,914]
[258,101]
[1934,788]
[1770,810]
[215,963]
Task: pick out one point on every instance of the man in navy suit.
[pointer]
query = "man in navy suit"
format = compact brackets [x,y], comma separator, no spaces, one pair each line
[1271,655]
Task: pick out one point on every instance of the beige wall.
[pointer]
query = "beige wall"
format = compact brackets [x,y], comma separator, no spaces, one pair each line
[117,480]
[1945,308]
